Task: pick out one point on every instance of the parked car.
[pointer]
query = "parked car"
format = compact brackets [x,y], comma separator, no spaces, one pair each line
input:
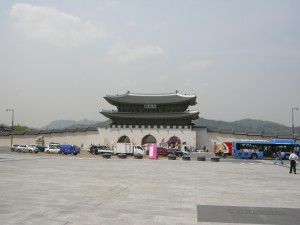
[96,149]
[33,148]
[69,149]
[27,148]
[161,151]
[54,144]
[177,152]
[13,148]
[52,149]
[40,148]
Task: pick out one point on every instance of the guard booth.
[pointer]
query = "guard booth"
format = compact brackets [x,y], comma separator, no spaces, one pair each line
[40,140]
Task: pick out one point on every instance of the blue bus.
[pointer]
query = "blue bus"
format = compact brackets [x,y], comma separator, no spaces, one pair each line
[258,149]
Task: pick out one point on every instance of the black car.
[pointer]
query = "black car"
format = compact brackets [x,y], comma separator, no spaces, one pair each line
[40,148]
[176,152]
[94,149]
[99,149]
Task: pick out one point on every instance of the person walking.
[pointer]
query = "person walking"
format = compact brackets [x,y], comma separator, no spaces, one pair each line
[278,157]
[293,158]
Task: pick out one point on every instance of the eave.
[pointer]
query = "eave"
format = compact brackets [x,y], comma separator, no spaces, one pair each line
[187,114]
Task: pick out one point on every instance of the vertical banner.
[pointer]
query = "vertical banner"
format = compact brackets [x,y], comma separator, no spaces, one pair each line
[152,151]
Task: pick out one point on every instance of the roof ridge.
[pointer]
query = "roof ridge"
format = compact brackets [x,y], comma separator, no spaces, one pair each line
[153,94]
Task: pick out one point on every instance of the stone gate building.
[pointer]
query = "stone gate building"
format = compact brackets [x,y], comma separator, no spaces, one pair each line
[164,119]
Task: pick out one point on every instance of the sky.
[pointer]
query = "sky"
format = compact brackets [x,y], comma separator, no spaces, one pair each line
[58,59]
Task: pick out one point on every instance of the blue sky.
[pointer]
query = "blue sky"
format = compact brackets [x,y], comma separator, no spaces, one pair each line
[58,59]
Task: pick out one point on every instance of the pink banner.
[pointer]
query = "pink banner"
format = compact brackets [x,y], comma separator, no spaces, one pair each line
[152,151]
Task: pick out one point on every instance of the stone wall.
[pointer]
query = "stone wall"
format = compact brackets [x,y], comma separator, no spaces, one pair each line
[111,135]
[77,138]
[197,137]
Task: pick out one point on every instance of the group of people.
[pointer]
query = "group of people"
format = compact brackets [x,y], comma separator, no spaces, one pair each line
[293,158]
[205,148]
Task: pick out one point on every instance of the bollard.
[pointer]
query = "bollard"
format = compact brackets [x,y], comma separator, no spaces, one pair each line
[138,156]
[186,157]
[215,159]
[171,157]
[122,156]
[201,158]
[106,155]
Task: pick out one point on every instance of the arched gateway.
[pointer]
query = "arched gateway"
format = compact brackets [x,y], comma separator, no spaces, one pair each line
[165,118]
[124,139]
[174,142]
[148,139]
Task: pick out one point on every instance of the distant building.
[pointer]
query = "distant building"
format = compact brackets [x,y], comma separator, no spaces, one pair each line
[4,129]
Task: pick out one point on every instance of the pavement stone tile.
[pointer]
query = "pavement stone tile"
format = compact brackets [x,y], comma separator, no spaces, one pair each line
[68,190]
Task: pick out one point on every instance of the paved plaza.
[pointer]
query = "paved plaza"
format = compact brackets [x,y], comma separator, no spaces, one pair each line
[63,190]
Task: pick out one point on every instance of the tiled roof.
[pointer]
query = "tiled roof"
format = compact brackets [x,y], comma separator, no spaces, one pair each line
[134,98]
[116,114]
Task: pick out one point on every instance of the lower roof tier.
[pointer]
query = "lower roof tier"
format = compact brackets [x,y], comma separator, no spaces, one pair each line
[152,118]
[161,115]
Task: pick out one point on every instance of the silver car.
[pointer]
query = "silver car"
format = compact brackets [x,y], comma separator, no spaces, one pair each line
[52,149]
[27,148]
[33,148]
[13,148]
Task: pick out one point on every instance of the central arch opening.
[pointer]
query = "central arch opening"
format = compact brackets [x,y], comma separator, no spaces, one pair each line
[148,139]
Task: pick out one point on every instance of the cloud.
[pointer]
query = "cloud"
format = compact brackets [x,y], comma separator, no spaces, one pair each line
[123,54]
[52,26]
[112,3]
[129,24]
[162,77]
[195,65]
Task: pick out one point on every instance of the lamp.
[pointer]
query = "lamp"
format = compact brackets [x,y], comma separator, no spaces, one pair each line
[12,125]
[293,128]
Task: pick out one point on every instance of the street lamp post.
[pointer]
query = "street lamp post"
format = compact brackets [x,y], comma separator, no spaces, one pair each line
[12,125]
[293,128]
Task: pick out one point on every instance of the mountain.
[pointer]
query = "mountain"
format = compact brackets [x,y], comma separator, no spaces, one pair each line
[95,124]
[245,125]
[61,124]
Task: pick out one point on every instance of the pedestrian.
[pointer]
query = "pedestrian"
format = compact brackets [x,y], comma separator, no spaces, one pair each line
[293,158]
[278,157]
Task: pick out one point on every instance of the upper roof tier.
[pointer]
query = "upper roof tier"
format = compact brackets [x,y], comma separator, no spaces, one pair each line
[135,98]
